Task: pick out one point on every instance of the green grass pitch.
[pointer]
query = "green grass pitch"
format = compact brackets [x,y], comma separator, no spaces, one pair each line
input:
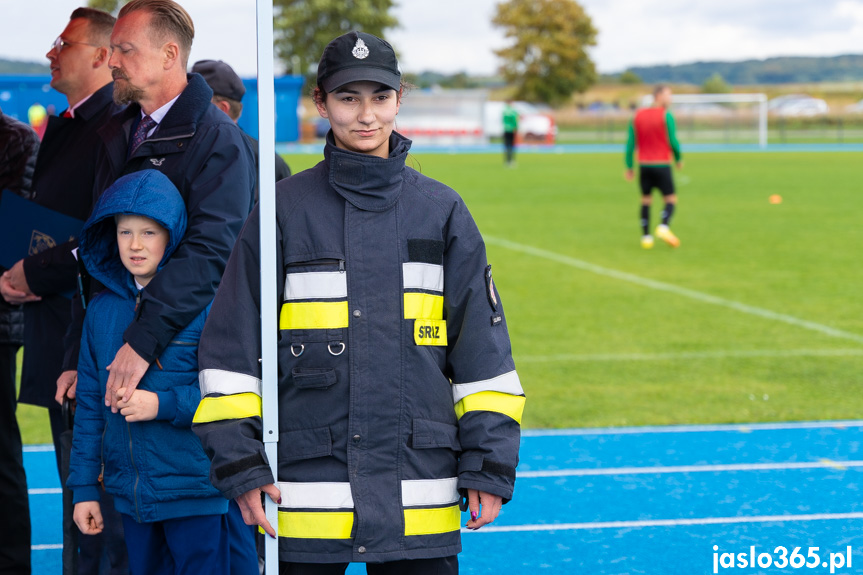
[756,317]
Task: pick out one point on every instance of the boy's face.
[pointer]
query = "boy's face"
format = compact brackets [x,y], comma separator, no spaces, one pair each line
[142,244]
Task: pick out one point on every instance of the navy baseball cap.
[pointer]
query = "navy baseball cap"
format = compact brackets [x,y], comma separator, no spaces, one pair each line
[221,78]
[356,57]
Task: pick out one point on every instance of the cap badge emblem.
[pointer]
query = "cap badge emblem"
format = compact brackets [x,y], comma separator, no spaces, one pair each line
[360,50]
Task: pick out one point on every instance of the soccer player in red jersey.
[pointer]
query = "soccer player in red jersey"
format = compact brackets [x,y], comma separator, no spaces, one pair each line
[652,132]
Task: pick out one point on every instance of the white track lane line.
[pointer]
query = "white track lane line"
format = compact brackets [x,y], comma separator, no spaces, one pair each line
[735,428]
[719,354]
[45,491]
[666,523]
[823,464]
[670,288]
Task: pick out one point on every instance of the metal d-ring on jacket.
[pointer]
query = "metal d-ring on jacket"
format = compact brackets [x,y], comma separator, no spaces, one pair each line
[397,386]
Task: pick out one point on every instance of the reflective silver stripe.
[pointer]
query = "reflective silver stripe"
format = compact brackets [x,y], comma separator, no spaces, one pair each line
[318,495]
[423,492]
[506,383]
[227,382]
[423,276]
[316,285]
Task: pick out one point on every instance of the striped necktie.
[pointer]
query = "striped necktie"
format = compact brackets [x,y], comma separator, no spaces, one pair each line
[144,126]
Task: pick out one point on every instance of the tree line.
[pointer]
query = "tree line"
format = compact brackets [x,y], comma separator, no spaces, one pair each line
[779,70]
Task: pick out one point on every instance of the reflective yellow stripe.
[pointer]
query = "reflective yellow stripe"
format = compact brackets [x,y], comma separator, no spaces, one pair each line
[511,405]
[431,521]
[315,525]
[228,407]
[423,306]
[430,332]
[314,315]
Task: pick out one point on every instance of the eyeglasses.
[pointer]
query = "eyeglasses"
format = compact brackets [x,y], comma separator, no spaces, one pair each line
[60,43]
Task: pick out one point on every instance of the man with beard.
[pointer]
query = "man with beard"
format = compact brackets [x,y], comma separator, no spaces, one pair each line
[170,125]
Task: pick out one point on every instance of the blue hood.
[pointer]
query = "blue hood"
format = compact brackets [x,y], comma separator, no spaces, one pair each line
[146,193]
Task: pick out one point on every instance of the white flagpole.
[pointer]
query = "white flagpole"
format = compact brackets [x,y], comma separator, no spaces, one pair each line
[269,314]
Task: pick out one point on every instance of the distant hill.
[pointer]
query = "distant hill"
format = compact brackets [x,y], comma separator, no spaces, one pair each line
[17,67]
[783,70]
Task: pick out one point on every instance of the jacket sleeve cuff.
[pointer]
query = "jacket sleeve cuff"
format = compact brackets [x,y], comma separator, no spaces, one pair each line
[476,472]
[142,342]
[259,479]
[85,493]
[167,405]
[53,271]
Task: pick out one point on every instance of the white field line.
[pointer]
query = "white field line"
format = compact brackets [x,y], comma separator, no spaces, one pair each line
[736,428]
[670,288]
[823,464]
[720,354]
[38,448]
[45,491]
[666,522]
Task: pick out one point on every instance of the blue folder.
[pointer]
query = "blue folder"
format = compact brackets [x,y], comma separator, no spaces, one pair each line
[26,228]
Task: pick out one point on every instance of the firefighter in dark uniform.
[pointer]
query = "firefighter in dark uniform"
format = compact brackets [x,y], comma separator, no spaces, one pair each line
[398,395]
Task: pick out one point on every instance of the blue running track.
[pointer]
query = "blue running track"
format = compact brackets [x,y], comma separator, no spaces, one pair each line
[671,500]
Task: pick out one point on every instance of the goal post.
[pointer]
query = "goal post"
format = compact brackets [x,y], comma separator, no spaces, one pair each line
[759,99]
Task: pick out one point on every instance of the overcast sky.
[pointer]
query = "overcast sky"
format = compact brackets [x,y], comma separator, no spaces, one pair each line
[456,35]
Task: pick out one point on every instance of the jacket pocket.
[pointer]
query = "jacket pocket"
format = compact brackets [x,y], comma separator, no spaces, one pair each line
[428,434]
[181,355]
[313,378]
[305,444]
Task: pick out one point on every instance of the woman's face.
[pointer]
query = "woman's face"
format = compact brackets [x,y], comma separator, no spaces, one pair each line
[362,116]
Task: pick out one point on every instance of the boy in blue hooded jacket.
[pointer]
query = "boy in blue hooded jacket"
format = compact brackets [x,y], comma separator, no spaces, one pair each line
[145,453]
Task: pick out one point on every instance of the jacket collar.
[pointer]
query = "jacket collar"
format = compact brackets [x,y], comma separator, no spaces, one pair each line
[368,182]
[96,103]
[183,117]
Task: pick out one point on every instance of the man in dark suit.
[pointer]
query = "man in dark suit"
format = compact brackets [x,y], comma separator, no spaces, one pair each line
[63,181]
[18,147]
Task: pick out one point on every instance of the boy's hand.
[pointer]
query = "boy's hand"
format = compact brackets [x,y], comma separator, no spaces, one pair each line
[66,385]
[490,507]
[253,510]
[88,517]
[124,372]
[629,174]
[142,405]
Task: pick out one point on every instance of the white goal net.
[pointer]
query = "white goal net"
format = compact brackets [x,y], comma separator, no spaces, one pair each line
[728,118]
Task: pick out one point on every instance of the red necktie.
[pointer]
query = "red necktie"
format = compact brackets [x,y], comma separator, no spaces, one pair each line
[67,114]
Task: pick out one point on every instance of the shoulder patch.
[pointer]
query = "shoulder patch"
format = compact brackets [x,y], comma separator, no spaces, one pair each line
[489,289]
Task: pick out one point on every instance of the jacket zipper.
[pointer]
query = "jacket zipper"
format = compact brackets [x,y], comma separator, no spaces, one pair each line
[137,475]
[101,477]
[319,263]
[170,138]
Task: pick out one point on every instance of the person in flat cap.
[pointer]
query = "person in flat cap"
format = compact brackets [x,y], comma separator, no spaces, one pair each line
[399,403]
[228,92]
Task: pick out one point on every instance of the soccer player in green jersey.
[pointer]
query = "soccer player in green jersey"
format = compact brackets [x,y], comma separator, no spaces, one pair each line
[510,128]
